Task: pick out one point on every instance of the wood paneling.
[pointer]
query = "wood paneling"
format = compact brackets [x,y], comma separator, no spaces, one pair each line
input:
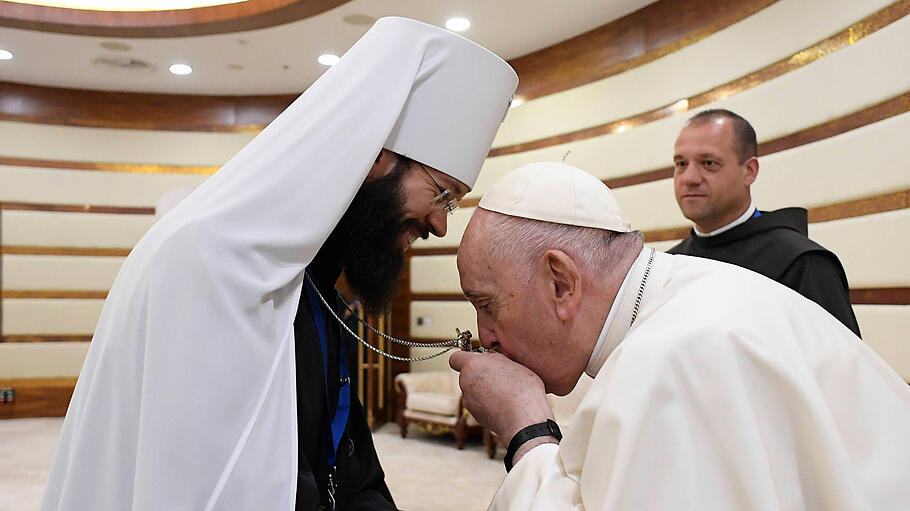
[878,112]
[860,207]
[842,39]
[880,296]
[7,294]
[67,251]
[248,15]
[136,168]
[631,41]
[46,338]
[400,327]
[38,397]
[72,208]
[73,107]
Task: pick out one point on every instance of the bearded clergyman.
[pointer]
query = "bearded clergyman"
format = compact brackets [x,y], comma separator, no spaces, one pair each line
[216,379]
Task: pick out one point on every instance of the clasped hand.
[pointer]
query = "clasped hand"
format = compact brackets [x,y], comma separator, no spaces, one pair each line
[501,394]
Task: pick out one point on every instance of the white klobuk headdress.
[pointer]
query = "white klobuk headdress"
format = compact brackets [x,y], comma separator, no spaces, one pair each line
[556,193]
[187,397]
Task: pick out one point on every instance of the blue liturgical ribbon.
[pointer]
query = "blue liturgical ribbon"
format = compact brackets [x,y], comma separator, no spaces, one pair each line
[756,214]
[340,418]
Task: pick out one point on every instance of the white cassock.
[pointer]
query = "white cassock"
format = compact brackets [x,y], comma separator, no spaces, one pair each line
[187,397]
[729,392]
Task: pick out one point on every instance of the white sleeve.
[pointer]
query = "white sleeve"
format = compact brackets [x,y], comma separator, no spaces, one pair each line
[538,482]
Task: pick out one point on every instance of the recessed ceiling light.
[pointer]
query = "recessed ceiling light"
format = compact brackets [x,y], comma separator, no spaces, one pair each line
[328,59]
[6,55]
[180,69]
[458,24]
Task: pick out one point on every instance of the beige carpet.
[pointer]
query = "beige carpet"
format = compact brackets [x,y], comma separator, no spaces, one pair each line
[424,472]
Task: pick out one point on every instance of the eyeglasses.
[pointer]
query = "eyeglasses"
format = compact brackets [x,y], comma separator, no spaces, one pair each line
[445,201]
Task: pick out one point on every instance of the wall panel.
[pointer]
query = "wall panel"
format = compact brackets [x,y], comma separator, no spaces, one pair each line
[59,272]
[73,229]
[885,328]
[435,274]
[37,316]
[41,360]
[872,248]
[63,186]
[440,319]
[38,141]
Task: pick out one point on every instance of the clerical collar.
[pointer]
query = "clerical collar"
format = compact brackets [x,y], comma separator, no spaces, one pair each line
[742,219]
[618,320]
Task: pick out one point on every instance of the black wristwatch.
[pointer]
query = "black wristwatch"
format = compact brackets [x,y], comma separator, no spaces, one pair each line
[549,428]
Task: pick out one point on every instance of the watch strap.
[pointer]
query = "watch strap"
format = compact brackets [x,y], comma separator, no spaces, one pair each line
[548,428]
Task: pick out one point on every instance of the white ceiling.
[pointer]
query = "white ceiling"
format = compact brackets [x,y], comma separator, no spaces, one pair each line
[282,60]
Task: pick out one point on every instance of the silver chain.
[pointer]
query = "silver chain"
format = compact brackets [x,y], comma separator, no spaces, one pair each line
[458,342]
[641,289]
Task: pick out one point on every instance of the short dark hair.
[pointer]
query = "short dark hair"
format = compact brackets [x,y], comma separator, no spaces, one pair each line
[745,144]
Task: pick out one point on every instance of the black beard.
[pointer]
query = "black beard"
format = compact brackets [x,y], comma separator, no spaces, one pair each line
[368,239]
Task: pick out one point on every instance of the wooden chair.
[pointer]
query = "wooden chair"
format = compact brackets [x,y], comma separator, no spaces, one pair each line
[432,400]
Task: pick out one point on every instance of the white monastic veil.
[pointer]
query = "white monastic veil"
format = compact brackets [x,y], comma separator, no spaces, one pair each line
[187,396]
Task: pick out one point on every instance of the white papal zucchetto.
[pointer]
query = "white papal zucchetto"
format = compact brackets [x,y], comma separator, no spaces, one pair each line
[557,193]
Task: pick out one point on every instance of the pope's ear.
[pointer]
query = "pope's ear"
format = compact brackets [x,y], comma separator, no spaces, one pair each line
[564,282]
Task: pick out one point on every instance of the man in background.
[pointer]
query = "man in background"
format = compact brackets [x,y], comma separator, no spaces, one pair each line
[716,162]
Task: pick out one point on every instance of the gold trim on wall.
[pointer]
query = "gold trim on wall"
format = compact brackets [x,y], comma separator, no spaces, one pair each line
[64,251]
[76,208]
[7,294]
[47,338]
[136,168]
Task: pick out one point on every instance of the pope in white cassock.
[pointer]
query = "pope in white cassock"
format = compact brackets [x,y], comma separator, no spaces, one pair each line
[216,378]
[714,387]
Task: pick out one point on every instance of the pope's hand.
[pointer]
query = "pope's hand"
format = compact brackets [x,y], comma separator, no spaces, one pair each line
[501,394]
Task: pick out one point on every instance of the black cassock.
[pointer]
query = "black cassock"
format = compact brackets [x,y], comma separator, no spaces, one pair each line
[776,244]
[359,481]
